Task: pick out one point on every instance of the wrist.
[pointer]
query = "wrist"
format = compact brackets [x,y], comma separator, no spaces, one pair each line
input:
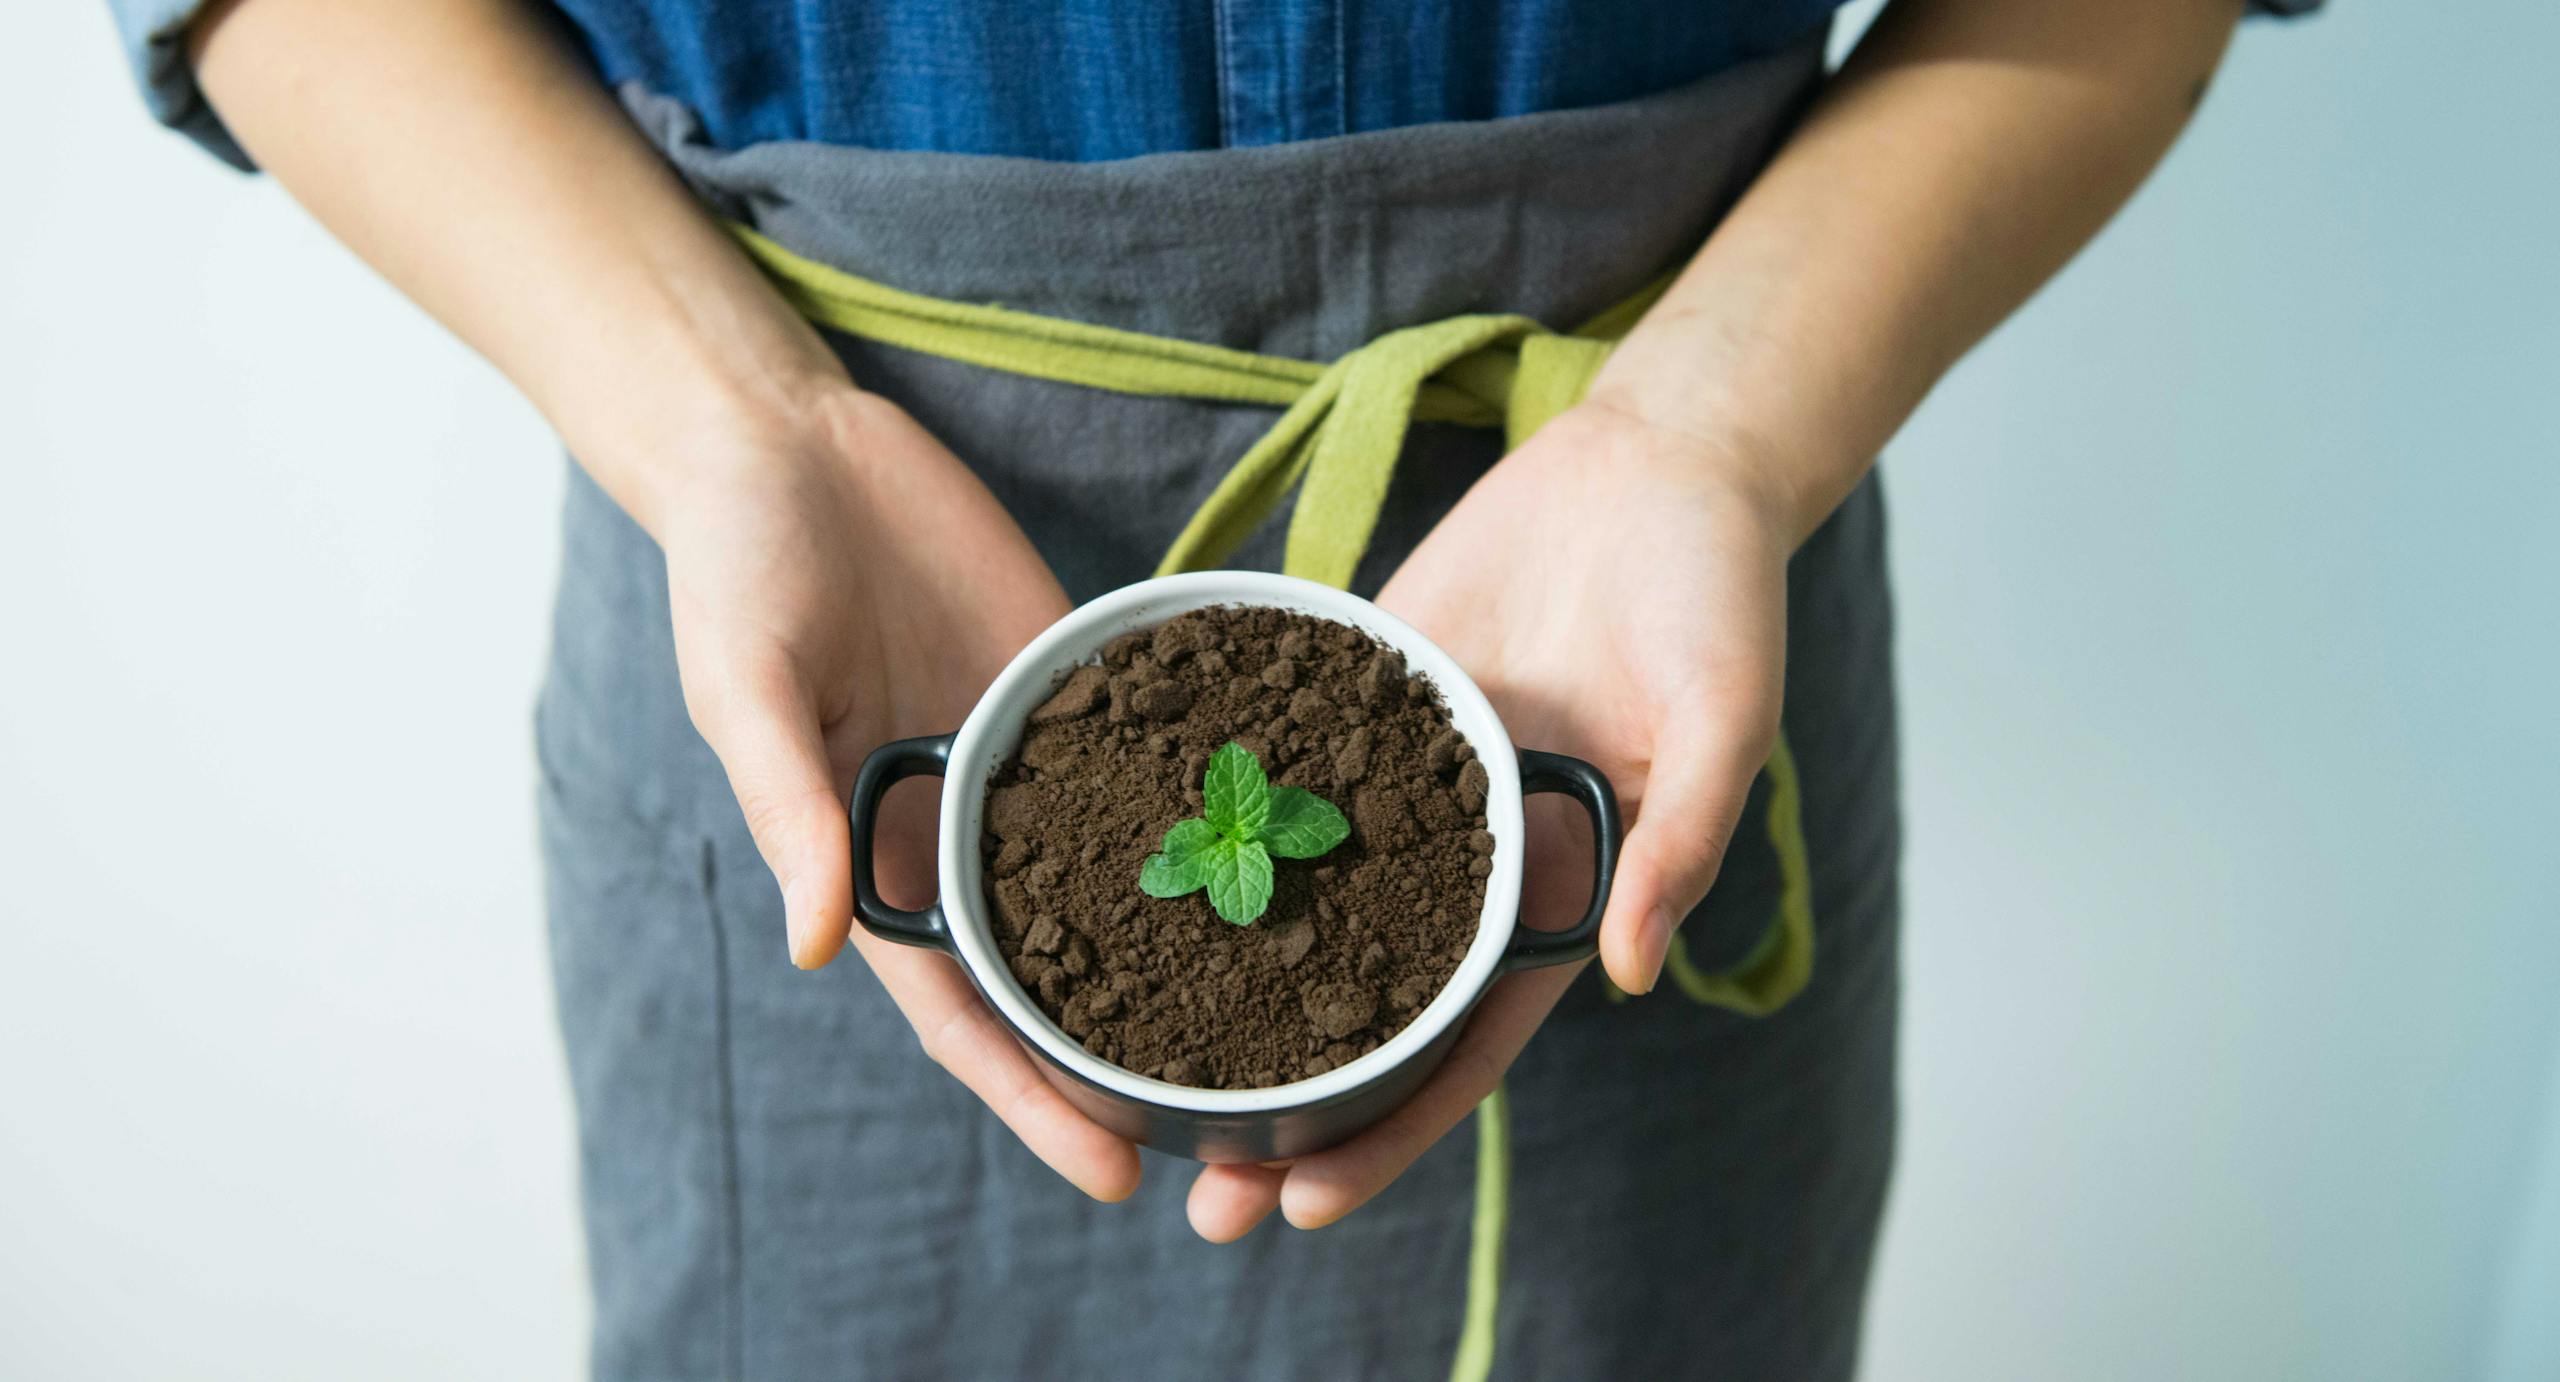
[662,439]
[1751,407]
[1787,492]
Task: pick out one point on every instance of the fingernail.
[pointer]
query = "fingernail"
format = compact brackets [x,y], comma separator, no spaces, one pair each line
[1654,945]
[796,921]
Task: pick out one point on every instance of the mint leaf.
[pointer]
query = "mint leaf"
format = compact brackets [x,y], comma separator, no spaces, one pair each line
[1183,865]
[1235,796]
[1228,848]
[1302,825]
[1240,882]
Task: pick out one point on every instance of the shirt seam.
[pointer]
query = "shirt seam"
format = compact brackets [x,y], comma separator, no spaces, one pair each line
[1341,72]
[1225,74]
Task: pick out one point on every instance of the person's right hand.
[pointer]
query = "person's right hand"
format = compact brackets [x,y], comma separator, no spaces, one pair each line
[837,583]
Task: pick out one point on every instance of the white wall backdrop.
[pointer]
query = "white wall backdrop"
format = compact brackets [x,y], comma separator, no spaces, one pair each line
[2230,592]
[2228,571]
[282,1097]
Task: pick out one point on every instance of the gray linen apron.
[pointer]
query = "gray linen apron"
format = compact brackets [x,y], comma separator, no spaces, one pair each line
[778,1183]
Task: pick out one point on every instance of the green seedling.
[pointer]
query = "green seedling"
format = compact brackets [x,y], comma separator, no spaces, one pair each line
[1244,820]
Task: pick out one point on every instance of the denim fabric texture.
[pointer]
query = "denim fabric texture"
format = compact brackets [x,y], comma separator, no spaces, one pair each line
[1087,80]
[153,33]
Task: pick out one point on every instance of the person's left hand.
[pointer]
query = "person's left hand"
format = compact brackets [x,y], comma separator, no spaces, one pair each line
[1619,590]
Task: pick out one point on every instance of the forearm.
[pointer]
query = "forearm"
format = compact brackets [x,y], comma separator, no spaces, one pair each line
[1964,153]
[484,171]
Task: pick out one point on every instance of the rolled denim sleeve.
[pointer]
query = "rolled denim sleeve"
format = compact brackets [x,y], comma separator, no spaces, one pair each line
[155,44]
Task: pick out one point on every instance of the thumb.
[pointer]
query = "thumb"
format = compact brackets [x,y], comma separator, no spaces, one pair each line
[1693,801]
[765,729]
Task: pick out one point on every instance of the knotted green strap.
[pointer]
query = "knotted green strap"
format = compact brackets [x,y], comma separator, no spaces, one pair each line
[1340,440]
[1340,433]
[1344,423]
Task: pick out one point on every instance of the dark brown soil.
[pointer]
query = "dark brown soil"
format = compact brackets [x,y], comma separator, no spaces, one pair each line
[1354,943]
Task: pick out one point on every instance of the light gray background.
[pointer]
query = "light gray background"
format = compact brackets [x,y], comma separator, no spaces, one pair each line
[2228,582]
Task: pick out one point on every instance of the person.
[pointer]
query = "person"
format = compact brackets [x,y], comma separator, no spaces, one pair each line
[785,545]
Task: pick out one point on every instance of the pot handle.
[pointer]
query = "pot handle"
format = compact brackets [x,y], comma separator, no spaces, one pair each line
[888,765]
[1555,772]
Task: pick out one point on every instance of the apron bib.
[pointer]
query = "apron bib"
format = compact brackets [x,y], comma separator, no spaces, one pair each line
[1697,1192]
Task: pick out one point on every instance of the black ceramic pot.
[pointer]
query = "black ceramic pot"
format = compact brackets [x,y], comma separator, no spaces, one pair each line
[1225,1124]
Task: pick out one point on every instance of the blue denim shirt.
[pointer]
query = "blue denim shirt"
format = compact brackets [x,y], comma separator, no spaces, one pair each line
[1099,79]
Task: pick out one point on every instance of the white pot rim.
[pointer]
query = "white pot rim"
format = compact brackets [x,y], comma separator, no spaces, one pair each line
[993,731]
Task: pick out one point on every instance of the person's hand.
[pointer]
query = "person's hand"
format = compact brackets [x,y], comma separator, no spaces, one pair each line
[836,583]
[1619,590]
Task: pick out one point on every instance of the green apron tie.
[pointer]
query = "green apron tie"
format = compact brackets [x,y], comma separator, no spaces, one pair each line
[1340,440]
[1337,442]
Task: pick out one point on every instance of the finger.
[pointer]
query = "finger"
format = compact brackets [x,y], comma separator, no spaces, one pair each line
[1693,800]
[964,1037]
[766,733]
[1322,1188]
[1227,1201]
